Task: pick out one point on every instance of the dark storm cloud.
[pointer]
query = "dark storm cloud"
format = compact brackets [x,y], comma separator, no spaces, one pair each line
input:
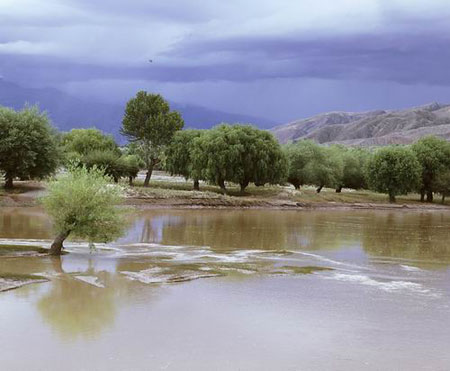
[241,49]
[404,58]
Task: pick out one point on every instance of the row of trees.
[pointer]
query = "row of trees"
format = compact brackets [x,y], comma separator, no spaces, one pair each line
[241,154]
[422,167]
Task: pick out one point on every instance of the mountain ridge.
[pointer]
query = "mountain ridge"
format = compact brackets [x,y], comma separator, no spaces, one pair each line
[370,128]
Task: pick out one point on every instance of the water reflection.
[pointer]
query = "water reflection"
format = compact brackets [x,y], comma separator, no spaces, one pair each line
[81,302]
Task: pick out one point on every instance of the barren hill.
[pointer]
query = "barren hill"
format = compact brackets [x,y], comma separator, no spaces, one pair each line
[370,128]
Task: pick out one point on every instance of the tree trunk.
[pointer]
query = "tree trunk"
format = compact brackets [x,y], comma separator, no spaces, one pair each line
[130,180]
[196,185]
[422,195]
[391,197]
[57,245]
[429,196]
[443,198]
[8,182]
[148,176]
[221,184]
[319,188]
[243,185]
[339,189]
[116,179]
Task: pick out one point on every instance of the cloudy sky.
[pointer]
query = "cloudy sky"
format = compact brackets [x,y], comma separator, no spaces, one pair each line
[279,59]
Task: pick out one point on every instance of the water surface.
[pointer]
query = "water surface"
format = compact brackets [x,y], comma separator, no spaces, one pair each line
[229,290]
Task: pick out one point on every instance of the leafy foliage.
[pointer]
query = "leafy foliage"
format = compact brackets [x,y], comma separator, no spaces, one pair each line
[393,170]
[84,141]
[28,144]
[178,154]
[434,156]
[239,154]
[150,123]
[83,203]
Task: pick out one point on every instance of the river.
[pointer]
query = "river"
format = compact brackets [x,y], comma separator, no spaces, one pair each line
[230,290]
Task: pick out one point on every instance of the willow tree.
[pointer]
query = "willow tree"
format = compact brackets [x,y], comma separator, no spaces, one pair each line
[28,144]
[240,154]
[394,170]
[179,160]
[434,156]
[149,122]
[82,204]
[84,141]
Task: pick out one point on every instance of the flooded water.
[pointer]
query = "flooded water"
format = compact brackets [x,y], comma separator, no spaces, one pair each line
[230,290]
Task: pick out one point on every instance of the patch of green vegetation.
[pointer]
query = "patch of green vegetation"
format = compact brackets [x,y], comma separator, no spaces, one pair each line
[21,277]
[287,269]
[6,249]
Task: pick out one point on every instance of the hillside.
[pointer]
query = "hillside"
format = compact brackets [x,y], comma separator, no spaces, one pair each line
[370,128]
[67,112]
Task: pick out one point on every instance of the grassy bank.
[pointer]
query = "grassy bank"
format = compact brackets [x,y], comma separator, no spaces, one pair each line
[167,191]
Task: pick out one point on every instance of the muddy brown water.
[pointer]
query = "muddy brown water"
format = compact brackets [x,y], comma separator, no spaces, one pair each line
[230,290]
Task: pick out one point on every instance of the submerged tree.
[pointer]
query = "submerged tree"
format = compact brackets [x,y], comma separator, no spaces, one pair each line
[393,170]
[150,123]
[28,145]
[82,204]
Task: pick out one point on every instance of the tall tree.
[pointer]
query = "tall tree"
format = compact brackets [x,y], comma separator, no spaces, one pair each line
[82,204]
[393,170]
[150,123]
[28,144]
[434,155]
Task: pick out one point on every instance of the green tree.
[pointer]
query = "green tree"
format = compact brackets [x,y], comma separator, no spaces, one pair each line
[150,123]
[82,204]
[130,166]
[434,155]
[178,155]
[354,165]
[441,183]
[299,155]
[84,141]
[239,153]
[326,167]
[106,160]
[28,144]
[393,170]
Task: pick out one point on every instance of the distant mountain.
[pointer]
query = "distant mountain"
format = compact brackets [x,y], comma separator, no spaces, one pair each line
[370,128]
[67,112]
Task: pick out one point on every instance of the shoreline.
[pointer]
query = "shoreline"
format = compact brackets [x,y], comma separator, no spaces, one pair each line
[27,194]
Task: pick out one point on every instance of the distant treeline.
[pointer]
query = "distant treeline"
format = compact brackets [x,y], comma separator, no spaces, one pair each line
[241,154]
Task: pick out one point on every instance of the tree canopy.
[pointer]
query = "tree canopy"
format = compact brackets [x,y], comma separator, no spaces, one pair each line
[83,141]
[150,123]
[238,153]
[178,155]
[393,170]
[28,144]
[434,157]
[82,203]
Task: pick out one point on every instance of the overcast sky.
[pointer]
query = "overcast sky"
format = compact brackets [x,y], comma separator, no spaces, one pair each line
[280,59]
